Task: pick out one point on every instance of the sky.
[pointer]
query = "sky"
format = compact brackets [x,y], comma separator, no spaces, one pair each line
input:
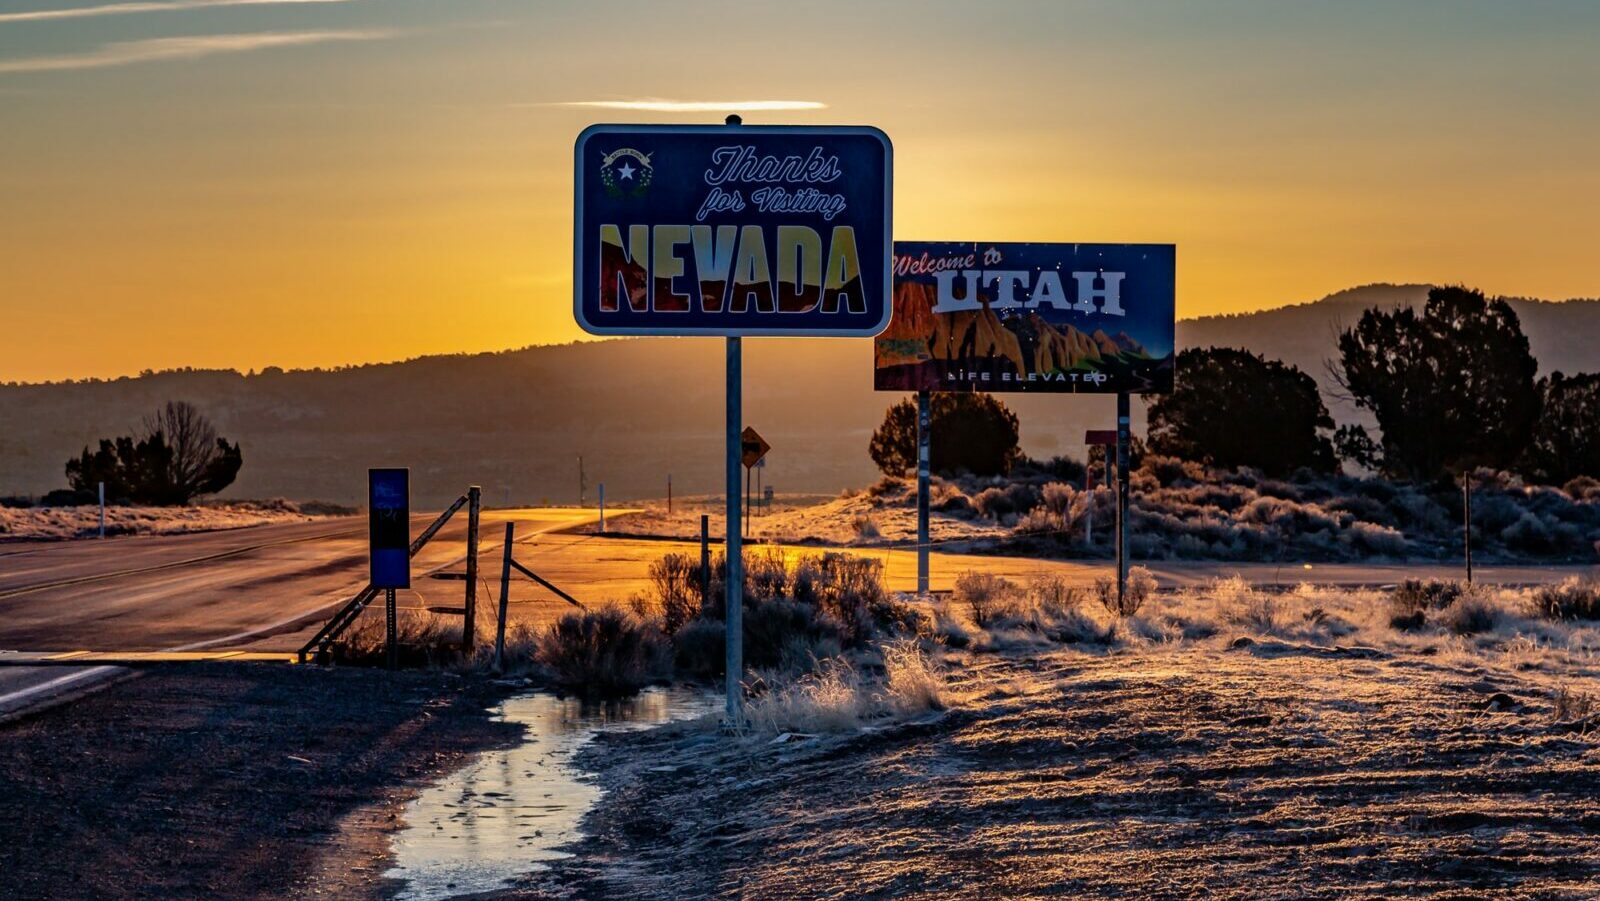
[251,183]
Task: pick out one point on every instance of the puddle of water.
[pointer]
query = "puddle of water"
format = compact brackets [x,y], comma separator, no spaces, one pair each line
[504,814]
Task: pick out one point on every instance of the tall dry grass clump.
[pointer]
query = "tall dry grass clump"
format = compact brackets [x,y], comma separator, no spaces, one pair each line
[834,698]
[913,683]
[829,699]
[1240,603]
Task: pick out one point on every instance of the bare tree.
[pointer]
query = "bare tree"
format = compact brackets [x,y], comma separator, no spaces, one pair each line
[201,462]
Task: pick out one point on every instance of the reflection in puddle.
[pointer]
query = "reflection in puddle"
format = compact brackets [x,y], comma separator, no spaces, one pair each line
[501,815]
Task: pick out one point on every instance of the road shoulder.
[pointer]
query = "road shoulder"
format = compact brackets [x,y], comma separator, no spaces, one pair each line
[242,781]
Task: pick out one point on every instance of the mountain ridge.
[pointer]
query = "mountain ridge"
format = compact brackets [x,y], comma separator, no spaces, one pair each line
[636,409]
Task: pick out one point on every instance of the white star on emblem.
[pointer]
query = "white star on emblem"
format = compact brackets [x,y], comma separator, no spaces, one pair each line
[626,171]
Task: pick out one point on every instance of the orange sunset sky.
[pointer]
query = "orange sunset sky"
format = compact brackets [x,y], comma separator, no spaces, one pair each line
[243,183]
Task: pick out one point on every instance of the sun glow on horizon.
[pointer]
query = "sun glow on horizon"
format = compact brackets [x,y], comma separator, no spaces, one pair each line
[243,183]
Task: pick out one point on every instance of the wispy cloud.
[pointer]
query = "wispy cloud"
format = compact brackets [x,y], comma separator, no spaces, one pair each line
[126,52]
[149,6]
[657,105]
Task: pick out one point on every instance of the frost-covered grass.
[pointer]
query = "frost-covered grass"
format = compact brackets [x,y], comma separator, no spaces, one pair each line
[1182,510]
[1487,621]
[60,523]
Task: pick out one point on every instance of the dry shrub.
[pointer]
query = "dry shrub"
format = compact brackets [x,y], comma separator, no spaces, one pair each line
[1572,706]
[1474,611]
[1053,596]
[1572,598]
[675,585]
[700,648]
[914,684]
[886,486]
[1058,497]
[1141,584]
[985,596]
[865,527]
[766,574]
[1412,599]
[603,653]
[423,638]
[1038,521]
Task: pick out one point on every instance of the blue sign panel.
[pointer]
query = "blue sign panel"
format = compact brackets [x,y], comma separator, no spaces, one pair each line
[1049,318]
[389,523]
[732,230]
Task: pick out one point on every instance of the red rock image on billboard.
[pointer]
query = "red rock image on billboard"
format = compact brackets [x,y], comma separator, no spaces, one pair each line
[1029,317]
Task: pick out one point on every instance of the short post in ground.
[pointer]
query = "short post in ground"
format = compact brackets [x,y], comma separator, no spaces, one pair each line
[469,616]
[505,600]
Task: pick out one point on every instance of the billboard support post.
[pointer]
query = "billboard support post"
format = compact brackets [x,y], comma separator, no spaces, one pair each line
[924,439]
[734,602]
[1122,497]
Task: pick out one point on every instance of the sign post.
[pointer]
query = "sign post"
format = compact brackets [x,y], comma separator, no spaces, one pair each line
[1123,422]
[389,543]
[752,452]
[732,231]
[924,441]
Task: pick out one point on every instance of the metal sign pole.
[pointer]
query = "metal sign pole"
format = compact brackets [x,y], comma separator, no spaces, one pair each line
[389,612]
[734,602]
[102,509]
[924,440]
[1122,495]
[1466,504]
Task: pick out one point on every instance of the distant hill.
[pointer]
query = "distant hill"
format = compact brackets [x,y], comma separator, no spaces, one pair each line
[636,409]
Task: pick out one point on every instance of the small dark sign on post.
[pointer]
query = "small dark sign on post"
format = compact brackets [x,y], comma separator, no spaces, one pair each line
[389,521]
[752,447]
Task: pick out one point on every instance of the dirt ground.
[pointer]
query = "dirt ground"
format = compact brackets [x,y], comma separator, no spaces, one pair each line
[1276,769]
[212,781]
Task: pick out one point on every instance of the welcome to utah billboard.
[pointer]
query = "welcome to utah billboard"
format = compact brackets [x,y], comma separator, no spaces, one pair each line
[1064,318]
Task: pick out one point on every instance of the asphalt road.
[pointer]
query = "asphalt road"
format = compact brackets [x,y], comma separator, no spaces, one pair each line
[262,588]
[268,588]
